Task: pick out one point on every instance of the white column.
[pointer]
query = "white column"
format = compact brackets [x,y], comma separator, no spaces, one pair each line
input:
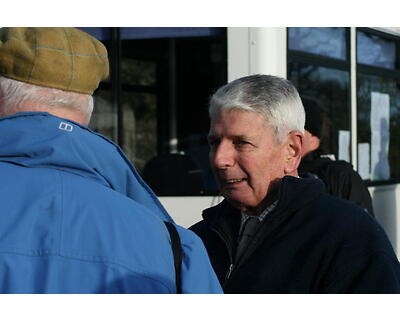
[256,50]
[238,53]
[353,90]
[268,51]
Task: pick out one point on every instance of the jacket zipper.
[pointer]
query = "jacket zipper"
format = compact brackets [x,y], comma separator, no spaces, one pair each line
[228,274]
[243,257]
[232,265]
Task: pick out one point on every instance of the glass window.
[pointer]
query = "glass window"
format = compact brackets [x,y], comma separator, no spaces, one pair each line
[326,82]
[386,164]
[323,82]
[329,89]
[105,116]
[207,62]
[169,32]
[375,51]
[138,72]
[329,42]
[157,109]
[140,126]
[378,103]
[105,113]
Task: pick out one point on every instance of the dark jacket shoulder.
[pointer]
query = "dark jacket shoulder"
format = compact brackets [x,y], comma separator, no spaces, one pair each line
[340,179]
[311,242]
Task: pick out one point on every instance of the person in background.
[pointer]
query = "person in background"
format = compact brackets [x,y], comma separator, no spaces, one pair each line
[340,178]
[75,215]
[276,232]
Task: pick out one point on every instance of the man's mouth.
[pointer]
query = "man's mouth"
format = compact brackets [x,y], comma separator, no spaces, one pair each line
[230,181]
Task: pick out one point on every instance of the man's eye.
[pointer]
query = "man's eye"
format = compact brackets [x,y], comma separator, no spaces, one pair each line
[241,142]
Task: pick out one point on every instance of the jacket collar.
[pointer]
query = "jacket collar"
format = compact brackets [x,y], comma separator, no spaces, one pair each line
[38,139]
[294,194]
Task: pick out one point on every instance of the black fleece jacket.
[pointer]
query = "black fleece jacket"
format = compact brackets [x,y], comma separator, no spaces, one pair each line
[340,179]
[310,243]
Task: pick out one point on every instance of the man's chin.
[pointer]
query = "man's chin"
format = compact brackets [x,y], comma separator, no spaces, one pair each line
[240,203]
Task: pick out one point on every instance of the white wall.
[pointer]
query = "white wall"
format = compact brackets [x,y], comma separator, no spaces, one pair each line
[387,211]
[186,211]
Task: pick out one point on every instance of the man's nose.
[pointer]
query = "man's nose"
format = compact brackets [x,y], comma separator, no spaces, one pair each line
[223,156]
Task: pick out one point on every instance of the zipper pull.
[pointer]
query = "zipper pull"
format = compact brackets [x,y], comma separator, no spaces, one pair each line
[229,271]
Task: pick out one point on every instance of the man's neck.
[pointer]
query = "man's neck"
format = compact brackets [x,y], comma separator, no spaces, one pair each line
[271,197]
[65,113]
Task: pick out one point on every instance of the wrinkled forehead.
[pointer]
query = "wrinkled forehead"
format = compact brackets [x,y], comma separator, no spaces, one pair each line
[238,123]
[234,118]
[237,113]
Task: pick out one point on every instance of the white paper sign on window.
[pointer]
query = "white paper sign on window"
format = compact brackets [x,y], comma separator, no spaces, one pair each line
[363,161]
[344,145]
[380,134]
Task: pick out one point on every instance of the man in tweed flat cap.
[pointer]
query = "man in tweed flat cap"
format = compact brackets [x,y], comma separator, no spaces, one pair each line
[76,217]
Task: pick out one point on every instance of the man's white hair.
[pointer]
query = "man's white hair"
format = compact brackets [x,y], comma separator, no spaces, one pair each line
[17,96]
[273,97]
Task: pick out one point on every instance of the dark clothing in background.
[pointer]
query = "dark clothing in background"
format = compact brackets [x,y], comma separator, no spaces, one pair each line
[173,174]
[310,243]
[340,179]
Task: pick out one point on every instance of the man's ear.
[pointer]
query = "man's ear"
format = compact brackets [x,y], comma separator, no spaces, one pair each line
[314,142]
[293,152]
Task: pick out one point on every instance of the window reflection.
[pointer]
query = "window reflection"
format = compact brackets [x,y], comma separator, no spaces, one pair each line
[372,83]
[140,127]
[165,77]
[329,42]
[138,72]
[375,51]
[104,118]
[330,89]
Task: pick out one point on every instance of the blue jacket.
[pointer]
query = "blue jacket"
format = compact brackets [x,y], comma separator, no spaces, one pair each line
[77,218]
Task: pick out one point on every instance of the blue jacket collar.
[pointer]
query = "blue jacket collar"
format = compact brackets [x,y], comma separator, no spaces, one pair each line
[38,139]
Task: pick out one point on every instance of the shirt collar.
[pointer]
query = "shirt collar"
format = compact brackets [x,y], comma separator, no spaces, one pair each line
[260,217]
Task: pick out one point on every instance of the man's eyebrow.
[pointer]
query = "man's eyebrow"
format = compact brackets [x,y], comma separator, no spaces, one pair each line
[239,136]
[244,137]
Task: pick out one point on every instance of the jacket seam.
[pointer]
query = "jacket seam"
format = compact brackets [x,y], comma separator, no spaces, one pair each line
[95,259]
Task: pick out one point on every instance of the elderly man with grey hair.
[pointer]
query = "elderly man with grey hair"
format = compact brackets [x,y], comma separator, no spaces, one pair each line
[276,232]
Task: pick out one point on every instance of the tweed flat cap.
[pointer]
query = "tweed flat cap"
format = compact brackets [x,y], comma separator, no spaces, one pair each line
[61,58]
